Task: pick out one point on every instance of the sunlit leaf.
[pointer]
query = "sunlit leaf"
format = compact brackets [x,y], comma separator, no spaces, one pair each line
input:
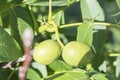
[69,2]
[29,1]
[84,33]
[103,67]
[99,27]
[118,3]
[32,75]
[46,3]
[99,77]
[59,65]
[1,24]
[57,17]
[118,68]
[41,68]
[63,18]
[70,75]
[91,10]
[22,25]
[8,30]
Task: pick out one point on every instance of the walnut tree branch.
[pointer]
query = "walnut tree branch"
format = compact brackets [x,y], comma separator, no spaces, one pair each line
[27,41]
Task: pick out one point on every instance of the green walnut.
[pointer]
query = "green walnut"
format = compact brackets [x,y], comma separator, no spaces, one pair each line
[46,52]
[76,53]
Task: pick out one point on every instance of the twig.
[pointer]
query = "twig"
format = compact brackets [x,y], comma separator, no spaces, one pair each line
[57,33]
[26,63]
[50,10]
[95,23]
[27,41]
[8,65]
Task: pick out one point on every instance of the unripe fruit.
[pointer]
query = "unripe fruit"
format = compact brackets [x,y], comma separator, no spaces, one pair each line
[74,52]
[46,52]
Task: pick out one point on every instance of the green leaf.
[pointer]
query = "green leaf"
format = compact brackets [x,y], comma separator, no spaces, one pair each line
[118,3]
[29,1]
[24,14]
[32,75]
[91,10]
[58,16]
[59,65]
[99,40]
[22,25]
[84,33]
[70,32]
[1,24]
[63,18]
[97,61]
[9,50]
[116,39]
[4,11]
[103,67]
[5,74]
[46,3]
[70,75]
[116,32]
[7,1]
[14,26]
[69,2]
[41,68]
[23,20]
[99,77]
[118,67]
[4,7]
[99,27]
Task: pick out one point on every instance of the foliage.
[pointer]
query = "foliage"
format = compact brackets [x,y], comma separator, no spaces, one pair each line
[93,22]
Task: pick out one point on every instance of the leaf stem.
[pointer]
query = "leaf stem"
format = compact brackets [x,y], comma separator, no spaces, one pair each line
[57,33]
[106,24]
[58,37]
[33,18]
[114,54]
[95,23]
[11,74]
[50,10]
[51,22]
